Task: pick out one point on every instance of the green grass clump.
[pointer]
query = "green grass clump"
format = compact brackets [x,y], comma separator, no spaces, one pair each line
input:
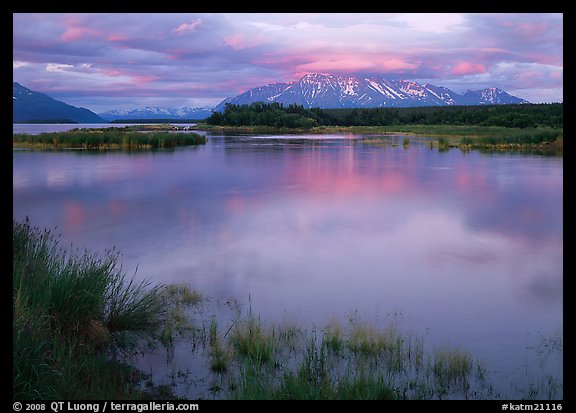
[219,354]
[250,339]
[69,312]
[108,138]
[334,337]
[450,367]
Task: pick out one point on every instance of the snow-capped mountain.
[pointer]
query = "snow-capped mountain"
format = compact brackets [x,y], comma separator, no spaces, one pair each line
[330,91]
[492,96]
[155,112]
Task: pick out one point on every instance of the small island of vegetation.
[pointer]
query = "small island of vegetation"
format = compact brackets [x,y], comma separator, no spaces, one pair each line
[109,138]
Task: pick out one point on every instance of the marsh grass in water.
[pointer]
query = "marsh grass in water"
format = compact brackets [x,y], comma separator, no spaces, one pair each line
[75,316]
[352,361]
[77,319]
[220,354]
[178,299]
[253,341]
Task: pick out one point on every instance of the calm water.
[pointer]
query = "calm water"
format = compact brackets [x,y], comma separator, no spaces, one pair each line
[466,249]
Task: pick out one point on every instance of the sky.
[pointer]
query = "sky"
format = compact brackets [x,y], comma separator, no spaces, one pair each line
[108,61]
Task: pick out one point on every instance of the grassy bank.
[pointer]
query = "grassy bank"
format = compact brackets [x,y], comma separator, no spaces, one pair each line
[107,138]
[77,320]
[480,137]
[492,139]
[158,136]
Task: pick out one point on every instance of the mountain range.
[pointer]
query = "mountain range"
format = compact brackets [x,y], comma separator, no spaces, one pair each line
[331,91]
[313,90]
[29,106]
[155,112]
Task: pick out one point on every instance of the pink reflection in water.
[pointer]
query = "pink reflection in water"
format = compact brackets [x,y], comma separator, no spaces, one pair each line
[467,246]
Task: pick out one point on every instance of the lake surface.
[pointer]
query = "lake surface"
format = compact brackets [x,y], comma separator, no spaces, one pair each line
[464,248]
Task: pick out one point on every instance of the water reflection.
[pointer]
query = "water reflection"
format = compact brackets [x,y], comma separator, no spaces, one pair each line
[467,245]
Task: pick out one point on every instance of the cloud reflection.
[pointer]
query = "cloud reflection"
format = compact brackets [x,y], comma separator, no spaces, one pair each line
[324,224]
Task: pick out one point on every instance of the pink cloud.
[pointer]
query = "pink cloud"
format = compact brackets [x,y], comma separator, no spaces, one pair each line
[116,38]
[301,62]
[556,75]
[132,78]
[144,79]
[468,68]
[546,59]
[186,28]
[111,72]
[493,50]
[239,41]
[530,76]
[340,64]
[392,64]
[532,29]
[76,33]
[176,54]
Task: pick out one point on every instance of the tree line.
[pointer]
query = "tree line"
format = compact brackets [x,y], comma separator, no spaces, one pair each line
[296,116]
[270,114]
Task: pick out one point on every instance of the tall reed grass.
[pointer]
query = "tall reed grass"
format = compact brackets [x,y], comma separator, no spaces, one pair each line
[70,311]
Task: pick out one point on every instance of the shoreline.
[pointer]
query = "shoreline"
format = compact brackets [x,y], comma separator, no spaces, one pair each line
[488,138]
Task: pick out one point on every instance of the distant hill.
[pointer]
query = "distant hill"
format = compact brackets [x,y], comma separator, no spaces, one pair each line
[159,113]
[35,107]
[327,91]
